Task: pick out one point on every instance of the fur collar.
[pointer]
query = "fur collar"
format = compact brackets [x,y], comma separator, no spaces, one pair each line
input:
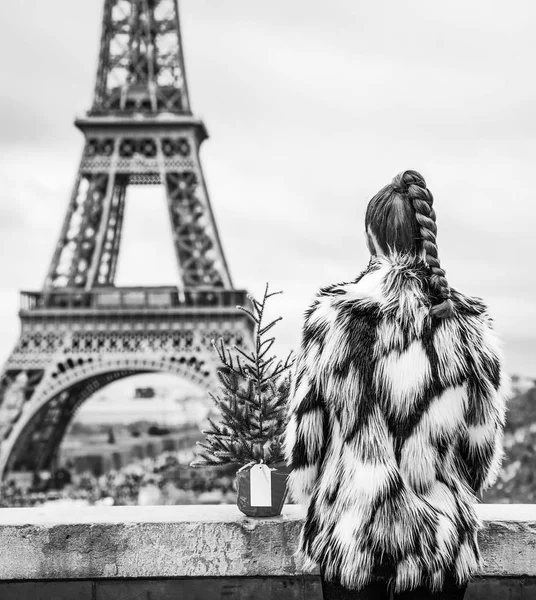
[399,284]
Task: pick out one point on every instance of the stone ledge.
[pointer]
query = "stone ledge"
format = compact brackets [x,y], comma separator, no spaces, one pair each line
[204,541]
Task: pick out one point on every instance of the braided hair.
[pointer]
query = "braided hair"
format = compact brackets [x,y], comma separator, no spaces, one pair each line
[402,219]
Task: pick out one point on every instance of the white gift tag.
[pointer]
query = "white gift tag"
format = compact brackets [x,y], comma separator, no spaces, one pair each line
[260,482]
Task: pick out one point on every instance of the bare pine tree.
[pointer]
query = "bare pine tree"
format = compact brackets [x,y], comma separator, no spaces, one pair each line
[254,390]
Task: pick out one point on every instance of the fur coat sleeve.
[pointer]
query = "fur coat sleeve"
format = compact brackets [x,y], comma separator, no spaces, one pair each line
[481,440]
[307,429]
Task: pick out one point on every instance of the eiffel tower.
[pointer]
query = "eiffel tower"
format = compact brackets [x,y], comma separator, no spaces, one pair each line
[81,332]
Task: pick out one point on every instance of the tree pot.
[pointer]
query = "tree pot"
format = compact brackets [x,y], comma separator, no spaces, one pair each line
[278,492]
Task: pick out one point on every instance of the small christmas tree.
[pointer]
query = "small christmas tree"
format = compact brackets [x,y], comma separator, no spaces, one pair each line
[253,402]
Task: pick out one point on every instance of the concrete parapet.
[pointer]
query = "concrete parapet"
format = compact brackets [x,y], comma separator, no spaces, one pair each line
[218,541]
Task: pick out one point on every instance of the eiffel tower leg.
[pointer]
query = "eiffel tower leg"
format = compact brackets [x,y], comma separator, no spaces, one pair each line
[113,235]
[197,244]
[81,239]
[37,446]
[104,260]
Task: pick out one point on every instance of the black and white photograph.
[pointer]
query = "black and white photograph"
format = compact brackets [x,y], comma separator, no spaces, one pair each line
[268,301]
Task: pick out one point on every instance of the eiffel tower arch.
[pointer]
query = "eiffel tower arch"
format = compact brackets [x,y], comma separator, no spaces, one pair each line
[81,332]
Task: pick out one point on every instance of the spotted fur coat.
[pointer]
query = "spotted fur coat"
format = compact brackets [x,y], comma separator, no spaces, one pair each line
[395,426]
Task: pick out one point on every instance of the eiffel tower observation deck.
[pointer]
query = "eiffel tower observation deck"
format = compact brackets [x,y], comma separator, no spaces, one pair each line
[81,332]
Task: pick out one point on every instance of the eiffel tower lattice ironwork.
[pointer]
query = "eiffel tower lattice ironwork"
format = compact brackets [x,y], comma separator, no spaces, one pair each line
[82,332]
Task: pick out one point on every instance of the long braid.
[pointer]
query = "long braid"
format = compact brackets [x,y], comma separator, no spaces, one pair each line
[413,185]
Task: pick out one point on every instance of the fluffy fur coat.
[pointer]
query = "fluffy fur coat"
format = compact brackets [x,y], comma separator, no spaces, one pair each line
[395,425]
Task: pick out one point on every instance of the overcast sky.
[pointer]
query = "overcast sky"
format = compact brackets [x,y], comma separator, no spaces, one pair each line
[312,107]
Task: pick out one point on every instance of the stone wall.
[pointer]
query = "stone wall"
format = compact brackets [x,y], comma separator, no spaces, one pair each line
[208,552]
